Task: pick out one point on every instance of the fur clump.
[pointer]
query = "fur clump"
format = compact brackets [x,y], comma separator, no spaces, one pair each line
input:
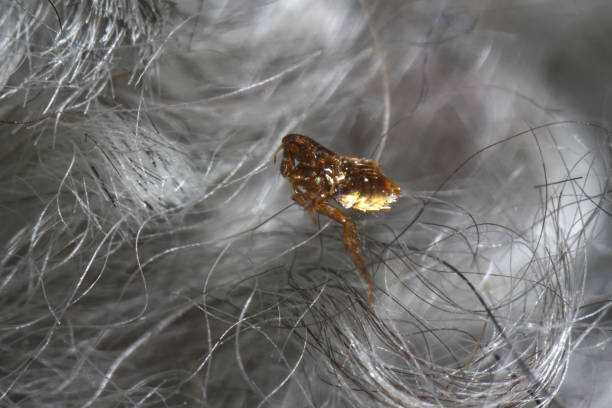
[68,52]
[150,254]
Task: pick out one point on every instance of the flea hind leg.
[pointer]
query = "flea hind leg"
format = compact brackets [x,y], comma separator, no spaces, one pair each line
[351,241]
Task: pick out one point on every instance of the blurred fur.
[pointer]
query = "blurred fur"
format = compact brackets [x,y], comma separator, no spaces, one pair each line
[151,255]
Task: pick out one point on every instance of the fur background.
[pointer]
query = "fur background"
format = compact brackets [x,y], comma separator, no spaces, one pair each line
[151,255]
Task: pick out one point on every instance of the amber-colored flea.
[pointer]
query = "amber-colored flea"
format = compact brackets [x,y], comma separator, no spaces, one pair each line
[319,175]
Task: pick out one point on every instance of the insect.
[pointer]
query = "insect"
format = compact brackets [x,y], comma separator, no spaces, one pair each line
[319,175]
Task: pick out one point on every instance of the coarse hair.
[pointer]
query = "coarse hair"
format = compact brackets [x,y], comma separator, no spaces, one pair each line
[151,254]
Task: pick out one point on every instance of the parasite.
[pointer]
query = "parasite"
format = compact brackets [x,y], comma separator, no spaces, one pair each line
[319,176]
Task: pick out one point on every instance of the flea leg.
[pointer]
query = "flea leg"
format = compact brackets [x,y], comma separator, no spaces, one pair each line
[351,240]
[303,200]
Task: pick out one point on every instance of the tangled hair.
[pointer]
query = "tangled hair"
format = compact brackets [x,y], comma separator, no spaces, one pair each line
[152,256]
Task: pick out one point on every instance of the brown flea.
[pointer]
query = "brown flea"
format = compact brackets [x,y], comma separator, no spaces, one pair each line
[319,175]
